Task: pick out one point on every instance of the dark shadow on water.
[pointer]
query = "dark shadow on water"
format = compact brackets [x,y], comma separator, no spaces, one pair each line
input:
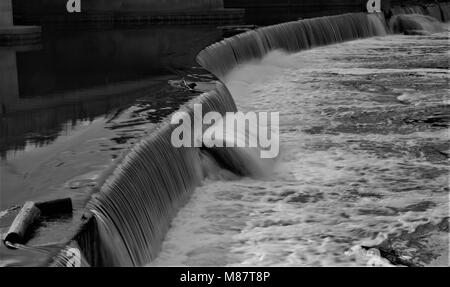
[81,74]
[74,59]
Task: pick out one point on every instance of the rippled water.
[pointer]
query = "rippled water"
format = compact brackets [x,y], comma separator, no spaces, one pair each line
[72,105]
[364,136]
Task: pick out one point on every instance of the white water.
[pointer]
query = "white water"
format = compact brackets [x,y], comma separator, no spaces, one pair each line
[350,169]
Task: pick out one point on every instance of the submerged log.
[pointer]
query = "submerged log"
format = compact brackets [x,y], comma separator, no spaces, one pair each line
[26,217]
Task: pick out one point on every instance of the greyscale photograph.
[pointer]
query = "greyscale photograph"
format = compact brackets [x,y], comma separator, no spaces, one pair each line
[224,133]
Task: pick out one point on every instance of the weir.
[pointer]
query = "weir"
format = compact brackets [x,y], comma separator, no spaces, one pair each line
[222,57]
[440,11]
[131,210]
[419,19]
[415,24]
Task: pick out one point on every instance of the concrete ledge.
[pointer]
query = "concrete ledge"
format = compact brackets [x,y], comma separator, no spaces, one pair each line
[19,35]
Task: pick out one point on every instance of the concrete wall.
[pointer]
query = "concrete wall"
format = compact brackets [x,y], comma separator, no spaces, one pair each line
[264,12]
[275,11]
[5,13]
[59,6]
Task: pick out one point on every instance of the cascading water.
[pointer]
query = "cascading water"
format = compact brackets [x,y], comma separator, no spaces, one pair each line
[133,209]
[130,214]
[415,24]
[243,161]
[434,11]
[440,12]
[409,10]
[222,57]
[445,9]
[418,19]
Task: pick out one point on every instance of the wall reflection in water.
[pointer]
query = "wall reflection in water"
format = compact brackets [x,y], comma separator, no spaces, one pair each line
[78,75]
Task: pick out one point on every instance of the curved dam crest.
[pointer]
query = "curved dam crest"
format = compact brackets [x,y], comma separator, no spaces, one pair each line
[130,213]
[222,57]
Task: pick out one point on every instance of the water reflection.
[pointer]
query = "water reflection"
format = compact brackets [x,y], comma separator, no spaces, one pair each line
[78,75]
[9,86]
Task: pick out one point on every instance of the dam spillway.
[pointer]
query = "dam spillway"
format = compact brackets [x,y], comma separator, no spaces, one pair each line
[222,57]
[138,232]
[361,163]
[132,207]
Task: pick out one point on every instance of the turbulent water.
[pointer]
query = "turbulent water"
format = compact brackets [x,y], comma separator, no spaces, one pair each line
[364,137]
[364,161]
[131,209]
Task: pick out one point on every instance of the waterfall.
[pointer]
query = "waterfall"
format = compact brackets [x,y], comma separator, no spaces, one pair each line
[243,161]
[222,57]
[434,11]
[129,214]
[415,24]
[440,12]
[409,10]
[445,9]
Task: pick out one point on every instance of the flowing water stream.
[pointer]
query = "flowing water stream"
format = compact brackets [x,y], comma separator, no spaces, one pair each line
[364,156]
[364,137]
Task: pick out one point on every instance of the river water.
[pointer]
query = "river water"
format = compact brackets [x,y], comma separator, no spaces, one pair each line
[70,106]
[364,139]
